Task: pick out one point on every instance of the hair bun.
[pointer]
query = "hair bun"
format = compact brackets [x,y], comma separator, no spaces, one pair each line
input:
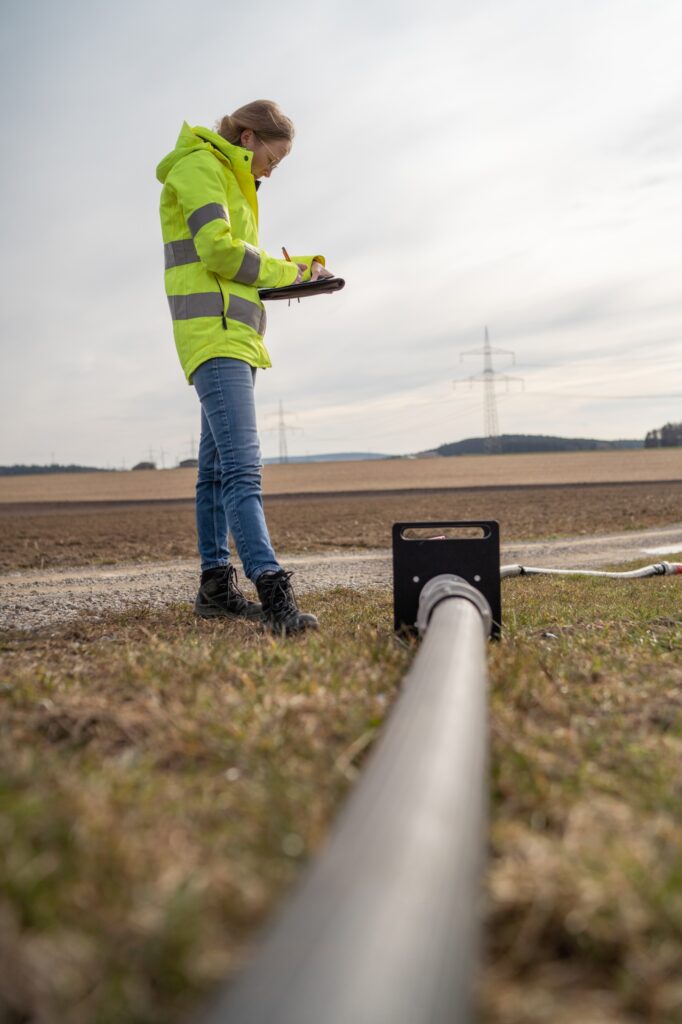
[227,127]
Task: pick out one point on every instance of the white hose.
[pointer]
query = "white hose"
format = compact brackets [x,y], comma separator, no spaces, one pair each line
[659,569]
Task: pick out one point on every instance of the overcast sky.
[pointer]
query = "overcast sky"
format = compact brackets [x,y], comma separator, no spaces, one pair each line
[510,163]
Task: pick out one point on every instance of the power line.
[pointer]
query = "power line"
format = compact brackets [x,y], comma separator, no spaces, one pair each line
[601,398]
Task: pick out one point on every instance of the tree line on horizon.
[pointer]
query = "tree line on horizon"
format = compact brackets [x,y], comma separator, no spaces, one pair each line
[54,467]
[516,444]
[667,436]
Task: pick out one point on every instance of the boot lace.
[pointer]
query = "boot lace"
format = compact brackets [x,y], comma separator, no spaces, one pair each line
[281,596]
[229,589]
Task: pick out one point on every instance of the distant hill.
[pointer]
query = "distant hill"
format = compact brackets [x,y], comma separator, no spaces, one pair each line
[21,470]
[515,443]
[335,457]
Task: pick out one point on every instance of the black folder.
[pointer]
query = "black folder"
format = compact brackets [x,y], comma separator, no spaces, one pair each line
[323,286]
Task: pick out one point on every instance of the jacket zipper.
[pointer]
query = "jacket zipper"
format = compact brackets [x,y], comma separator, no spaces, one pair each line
[222,296]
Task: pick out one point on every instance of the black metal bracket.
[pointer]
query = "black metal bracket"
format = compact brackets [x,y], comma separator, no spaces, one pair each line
[422,550]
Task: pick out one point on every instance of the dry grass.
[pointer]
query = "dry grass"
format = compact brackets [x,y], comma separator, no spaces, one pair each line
[162,779]
[48,536]
[585,881]
[329,477]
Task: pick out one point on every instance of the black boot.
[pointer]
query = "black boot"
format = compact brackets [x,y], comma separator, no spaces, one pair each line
[280,611]
[220,597]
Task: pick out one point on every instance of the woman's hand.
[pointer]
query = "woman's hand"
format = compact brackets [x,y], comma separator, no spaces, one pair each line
[317,271]
[301,271]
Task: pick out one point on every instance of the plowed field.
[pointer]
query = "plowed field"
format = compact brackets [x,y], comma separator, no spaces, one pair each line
[50,535]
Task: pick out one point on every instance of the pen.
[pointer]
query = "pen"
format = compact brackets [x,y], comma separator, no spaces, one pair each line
[287,257]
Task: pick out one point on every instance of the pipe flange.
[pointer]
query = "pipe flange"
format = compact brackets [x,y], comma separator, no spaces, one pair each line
[447,585]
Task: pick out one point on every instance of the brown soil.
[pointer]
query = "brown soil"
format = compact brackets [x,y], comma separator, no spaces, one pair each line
[51,535]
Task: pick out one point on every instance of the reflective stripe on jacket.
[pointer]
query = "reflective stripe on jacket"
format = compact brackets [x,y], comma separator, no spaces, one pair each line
[213,265]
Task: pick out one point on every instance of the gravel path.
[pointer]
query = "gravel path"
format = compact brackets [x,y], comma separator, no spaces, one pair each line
[30,600]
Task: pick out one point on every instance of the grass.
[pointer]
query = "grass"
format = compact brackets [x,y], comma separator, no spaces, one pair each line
[585,879]
[163,779]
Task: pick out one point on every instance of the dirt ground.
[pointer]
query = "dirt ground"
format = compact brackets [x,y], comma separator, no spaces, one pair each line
[53,535]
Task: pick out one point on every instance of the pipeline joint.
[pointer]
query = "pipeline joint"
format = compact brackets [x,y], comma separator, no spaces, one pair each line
[446,586]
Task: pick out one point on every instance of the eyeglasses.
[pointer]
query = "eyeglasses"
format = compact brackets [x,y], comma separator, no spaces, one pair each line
[274,161]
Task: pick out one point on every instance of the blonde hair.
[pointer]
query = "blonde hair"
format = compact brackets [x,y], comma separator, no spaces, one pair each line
[262,116]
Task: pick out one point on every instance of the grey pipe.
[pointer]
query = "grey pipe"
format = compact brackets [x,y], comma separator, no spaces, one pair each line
[384,927]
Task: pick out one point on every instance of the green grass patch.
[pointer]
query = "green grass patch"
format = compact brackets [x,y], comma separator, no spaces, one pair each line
[163,779]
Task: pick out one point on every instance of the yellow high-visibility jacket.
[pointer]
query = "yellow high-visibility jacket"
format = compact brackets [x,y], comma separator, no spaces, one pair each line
[214,267]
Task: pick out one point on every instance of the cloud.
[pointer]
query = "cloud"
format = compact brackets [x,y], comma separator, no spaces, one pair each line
[514,165]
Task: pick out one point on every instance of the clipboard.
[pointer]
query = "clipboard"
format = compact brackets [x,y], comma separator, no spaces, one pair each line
[323,286]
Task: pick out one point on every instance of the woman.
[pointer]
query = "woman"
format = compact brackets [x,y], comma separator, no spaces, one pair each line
[214,268]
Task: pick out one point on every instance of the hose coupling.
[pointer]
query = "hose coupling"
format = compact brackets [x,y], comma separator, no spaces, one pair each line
[440,588]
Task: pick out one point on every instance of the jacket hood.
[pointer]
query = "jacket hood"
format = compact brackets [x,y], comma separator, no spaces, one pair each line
[192,139]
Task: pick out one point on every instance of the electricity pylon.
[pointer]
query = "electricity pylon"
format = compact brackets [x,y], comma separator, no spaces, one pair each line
[488,378]
[282,427]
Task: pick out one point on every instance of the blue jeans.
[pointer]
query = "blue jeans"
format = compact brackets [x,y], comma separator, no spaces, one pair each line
[228,491]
